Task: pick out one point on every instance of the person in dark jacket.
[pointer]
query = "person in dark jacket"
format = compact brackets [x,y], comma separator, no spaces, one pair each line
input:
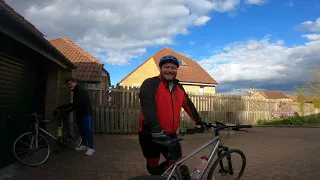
[161,100]
[83,110]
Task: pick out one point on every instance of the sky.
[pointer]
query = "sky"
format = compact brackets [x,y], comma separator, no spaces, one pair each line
[262,44]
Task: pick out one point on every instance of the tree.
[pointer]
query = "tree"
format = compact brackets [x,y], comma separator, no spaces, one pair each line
[248,91]
[313,86]
[310,91]
[310,88]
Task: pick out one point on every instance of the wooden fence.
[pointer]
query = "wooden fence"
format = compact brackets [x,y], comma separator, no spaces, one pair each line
[117,109]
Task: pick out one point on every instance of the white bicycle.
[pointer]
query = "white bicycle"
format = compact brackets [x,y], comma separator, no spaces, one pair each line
[177,171]
[32,148]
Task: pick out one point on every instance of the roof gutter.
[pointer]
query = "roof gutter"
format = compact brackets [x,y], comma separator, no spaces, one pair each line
[198,84]
[18,31]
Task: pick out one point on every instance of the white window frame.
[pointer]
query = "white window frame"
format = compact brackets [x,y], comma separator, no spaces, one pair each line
[201,90]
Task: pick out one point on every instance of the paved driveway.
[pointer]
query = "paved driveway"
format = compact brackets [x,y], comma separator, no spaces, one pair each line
[272,153]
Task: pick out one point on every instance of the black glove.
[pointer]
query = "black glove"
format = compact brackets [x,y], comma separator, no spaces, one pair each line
[157,133]
[159,136]
[201,123]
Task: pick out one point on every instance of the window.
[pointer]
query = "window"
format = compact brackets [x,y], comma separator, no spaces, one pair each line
[201,90]
[182,63]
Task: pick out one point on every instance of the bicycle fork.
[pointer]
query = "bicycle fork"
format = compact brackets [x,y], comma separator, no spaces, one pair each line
[34,138]
[223,169]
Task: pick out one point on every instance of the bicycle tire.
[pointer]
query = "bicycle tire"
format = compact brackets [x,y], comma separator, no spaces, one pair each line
[148,177]
[37,164]
[223,155]
[75,143]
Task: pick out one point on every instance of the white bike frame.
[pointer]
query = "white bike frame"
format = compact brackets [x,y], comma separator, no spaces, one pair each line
[175,167]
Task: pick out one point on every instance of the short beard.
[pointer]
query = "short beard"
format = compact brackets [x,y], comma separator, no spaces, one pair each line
[167,79]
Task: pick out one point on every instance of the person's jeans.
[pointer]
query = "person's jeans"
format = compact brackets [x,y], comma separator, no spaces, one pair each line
[85,127]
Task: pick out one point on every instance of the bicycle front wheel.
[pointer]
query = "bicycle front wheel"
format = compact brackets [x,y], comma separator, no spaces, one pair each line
[71,135]
[25,151]
[225,167]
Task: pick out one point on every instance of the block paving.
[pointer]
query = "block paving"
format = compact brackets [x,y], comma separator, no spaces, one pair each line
[271,153]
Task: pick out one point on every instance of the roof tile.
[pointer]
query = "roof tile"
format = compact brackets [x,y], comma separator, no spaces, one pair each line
[6,7]
[88,68]
[275,95]
[192,72]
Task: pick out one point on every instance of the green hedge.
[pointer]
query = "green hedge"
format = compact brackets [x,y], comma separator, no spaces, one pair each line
[316,104]
[291,121]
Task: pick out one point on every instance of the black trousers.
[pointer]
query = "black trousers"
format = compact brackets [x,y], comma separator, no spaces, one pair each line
[152,151]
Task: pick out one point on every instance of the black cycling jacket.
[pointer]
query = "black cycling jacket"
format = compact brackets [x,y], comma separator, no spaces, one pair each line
[81,101]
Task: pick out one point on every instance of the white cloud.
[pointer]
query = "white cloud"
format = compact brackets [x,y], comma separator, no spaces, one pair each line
[312,37]
[225,5]
[311,26]
[118,30]
[192,43]
[257,2]
[201,20]
[264,61]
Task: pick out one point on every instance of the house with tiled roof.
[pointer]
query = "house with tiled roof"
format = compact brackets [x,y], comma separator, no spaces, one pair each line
[273,95]
[89,69]
[190,74]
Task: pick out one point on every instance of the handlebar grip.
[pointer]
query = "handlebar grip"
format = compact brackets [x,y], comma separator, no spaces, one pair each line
[245,126]
[195,130]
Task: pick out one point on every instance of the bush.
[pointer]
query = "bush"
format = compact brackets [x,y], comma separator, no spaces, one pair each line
[316,104]
[290,121]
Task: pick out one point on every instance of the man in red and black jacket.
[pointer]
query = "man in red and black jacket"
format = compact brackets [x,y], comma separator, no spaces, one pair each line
[161,100]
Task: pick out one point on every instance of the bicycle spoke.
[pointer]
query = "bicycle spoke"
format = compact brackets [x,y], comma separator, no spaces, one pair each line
[25,143]
[22,149]
[27,155]
[23,152]
[40,140]
[30,138]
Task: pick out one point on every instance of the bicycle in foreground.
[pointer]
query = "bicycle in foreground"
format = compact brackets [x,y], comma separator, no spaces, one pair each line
[34,145]
[178,171]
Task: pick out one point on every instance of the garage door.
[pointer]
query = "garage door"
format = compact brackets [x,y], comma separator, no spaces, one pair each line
[18,82]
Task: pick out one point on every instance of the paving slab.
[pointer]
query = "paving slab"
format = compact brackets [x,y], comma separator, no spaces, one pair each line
[271,154]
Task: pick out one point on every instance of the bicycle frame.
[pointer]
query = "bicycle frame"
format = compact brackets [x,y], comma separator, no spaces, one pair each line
[37,129]
[175,167]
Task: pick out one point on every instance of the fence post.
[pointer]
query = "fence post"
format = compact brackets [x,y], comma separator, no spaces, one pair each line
[117,109]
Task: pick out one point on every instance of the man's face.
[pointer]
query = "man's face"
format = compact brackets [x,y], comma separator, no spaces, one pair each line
[169,71]
[71,85]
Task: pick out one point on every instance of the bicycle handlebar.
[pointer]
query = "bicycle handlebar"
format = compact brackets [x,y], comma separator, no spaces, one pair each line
[217,127]
[220,126]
